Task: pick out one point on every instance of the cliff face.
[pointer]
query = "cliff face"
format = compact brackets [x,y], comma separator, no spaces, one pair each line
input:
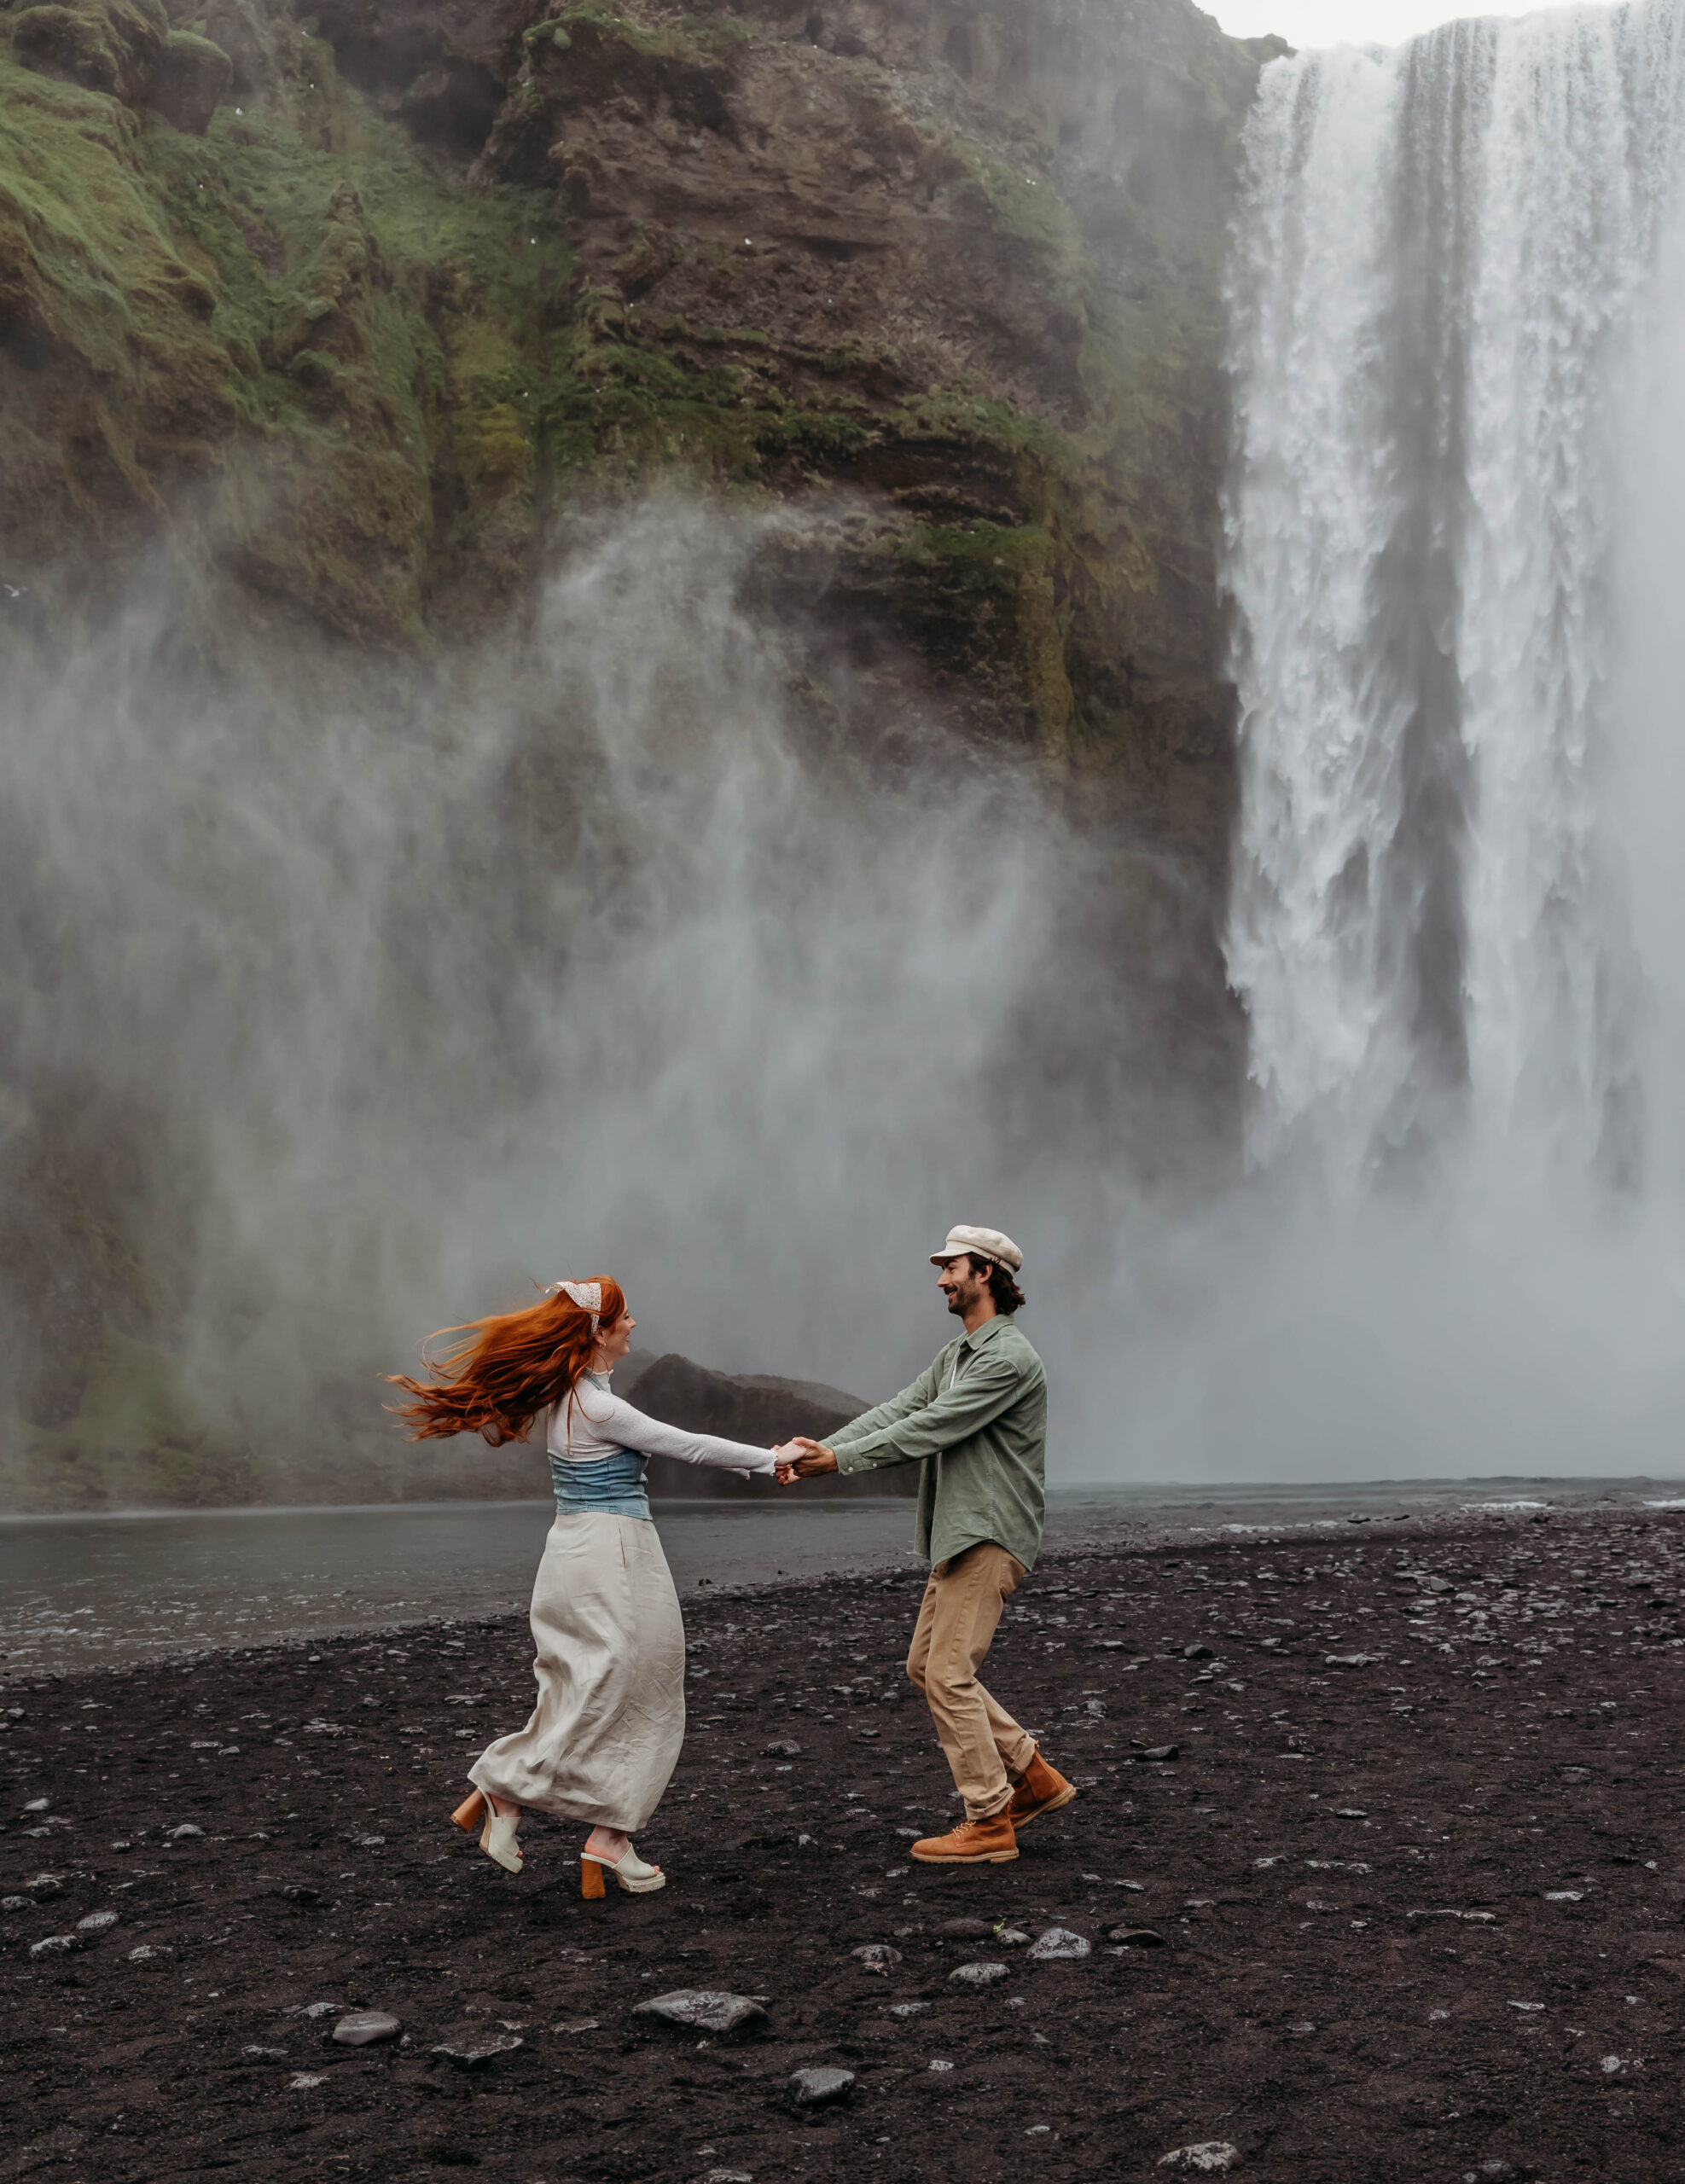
[343,321]
[359,308]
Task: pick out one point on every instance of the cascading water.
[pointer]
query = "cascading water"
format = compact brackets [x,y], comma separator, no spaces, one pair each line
[1455,552]
[1444,292]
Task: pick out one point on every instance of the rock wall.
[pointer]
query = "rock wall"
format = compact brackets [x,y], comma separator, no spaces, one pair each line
[331,327]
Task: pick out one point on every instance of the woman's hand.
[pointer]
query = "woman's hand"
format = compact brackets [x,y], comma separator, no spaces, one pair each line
[801,1458]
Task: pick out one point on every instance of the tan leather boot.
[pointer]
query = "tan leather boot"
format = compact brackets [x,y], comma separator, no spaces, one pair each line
[1040,1788]
[973,1842]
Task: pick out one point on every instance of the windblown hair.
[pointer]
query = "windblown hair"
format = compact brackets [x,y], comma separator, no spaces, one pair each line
[1006,1292]
[502,1372]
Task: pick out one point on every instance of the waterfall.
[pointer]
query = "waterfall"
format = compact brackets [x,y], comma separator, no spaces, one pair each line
[1444,302]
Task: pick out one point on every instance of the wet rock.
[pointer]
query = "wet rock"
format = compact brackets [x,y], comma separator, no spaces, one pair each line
[966,1930]
[1210,2157]
[781,1748]
[818,2088]
[184,1833]
[981,1975]
[472,2051]
[363,2028]
[45,1885]
[37,1804]
[1058,1945]
[54,1945]
[265,2054]
[906,2009]
[97,1922]
[1196,1653]
[705,2009]
[13,1902]
[727,2176]
[1136,1938]
[1011,1938]
[937,2064]
[319,2009]
[302,2081]
[1162,1751]
[1349,1660]
[877,1956]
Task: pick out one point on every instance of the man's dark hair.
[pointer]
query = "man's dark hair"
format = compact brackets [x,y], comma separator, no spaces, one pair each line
[1006,1292]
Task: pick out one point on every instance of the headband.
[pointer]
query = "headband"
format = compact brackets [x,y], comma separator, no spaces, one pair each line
[587,1295]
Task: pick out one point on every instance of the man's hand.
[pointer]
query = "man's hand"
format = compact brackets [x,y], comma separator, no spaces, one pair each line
[801,1458]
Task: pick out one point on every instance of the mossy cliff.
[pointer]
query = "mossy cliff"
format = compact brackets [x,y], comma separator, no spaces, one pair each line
[358,304]
[341,319]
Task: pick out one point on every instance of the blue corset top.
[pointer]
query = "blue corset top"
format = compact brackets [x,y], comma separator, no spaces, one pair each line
[607,1486]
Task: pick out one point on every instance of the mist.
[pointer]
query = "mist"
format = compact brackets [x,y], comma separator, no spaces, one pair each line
[352,998]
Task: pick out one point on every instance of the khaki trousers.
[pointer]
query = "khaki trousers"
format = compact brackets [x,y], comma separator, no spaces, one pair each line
[986,1749]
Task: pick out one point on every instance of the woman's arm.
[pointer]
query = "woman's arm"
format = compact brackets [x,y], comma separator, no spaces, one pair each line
[615,1419]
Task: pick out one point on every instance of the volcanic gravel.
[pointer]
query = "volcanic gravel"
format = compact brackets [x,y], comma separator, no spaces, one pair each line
[1412,1878]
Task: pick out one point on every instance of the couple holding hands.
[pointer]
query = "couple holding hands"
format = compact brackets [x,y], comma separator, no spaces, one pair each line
[604,1740]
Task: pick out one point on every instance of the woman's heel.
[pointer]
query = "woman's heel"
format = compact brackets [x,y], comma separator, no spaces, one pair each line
[590,1880]
[470,1813]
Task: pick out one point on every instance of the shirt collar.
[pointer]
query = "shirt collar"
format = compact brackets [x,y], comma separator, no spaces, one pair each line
[988,1330]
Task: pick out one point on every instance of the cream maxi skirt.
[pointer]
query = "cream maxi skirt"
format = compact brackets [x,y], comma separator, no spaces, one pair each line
[605,1737]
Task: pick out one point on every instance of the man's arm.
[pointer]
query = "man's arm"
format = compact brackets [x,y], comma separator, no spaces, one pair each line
[990,1386]
[902,1406]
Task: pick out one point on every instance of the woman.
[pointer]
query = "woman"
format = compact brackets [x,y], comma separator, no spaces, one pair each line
[604,1740]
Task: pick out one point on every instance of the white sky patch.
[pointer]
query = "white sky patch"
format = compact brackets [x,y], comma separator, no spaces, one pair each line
[1350,22]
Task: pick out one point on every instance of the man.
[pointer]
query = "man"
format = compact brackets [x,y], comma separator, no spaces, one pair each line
[977,1420]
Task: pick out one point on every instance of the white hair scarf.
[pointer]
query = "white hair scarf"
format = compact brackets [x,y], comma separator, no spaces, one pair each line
[587,1295]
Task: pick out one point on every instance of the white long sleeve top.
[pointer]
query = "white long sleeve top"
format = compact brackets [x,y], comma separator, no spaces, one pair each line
[595,1422]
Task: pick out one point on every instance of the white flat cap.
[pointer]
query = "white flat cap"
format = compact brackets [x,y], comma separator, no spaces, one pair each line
[980,1243]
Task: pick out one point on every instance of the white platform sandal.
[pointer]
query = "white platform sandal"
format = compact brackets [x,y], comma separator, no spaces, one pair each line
[631,1871]
[497,1836]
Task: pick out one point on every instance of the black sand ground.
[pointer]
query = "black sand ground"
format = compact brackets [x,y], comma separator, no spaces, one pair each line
[1415,1871]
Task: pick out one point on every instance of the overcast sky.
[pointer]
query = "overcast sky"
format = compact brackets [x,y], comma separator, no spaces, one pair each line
[1334,22]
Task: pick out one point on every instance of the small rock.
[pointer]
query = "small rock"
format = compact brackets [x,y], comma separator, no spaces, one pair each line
[1348,1660]
[818,2088]
[363,2028]
[53,1945]
[1211,2155]
[1162,1751]
[37,1804]
[122,1846]
[937,2063]
[706,2008]
[1526,2006]
[46,1884]
[727,2176]
[906,2009]
[319,2009]
[140,1954]
[877,1956]
[184,1833]
[97,1922]
[980,1975]
[1136,1938]
[13,1902]
[580,2024]
[1010,1937]
[1350,1812]
[966,1930]
[369,1842]
[1196,1653]
[781,1748]
[1057,1945]
[1558,1895]
[265,2054]
[472,2051]
[302,2081]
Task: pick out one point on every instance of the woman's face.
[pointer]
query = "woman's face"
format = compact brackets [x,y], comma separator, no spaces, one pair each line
[613,1342]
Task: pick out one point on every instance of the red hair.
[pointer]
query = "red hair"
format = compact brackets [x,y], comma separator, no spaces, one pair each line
[502,1372]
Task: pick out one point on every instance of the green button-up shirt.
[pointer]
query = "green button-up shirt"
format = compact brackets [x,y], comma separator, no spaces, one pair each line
[977,1421]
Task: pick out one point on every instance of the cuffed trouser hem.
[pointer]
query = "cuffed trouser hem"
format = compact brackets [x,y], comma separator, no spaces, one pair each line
[986,1748]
